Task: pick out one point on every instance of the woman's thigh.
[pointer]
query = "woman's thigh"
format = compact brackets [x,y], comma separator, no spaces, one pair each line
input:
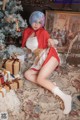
[31,75]
[31,72]
[48,68]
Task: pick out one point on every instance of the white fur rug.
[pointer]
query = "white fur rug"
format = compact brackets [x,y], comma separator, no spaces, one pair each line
[9,102]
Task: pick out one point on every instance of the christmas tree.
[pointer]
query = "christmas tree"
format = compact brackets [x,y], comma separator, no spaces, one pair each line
[11,21]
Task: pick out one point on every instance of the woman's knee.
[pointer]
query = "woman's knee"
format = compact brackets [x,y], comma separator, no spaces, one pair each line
[40,79]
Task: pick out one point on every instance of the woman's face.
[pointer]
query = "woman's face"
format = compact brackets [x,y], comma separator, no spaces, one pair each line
[36,25]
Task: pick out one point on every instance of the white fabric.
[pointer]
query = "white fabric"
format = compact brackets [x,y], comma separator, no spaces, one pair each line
[32,43]
[42,58]
[66,99]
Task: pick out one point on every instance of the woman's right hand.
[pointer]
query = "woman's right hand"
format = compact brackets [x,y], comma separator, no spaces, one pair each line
[50,42]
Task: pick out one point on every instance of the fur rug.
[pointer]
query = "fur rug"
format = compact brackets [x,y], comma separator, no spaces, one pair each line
[9,102]
[36,103]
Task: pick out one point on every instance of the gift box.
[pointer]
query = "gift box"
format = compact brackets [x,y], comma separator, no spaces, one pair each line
[1,79]
[4,75]
[12,65]
[14,84]
[7,86]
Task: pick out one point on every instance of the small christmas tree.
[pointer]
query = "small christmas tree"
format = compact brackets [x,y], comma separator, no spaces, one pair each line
[11,22]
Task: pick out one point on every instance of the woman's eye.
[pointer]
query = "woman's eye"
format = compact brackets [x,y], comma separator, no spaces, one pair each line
[39,22]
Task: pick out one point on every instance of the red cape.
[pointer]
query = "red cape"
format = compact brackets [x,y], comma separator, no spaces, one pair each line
[42,36]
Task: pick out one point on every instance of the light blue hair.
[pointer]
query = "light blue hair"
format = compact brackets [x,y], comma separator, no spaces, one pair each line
[37,16]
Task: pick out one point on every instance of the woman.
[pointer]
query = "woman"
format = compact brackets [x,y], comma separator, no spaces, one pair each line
[37,39]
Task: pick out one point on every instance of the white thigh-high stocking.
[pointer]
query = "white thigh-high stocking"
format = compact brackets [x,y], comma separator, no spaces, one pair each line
[67,99]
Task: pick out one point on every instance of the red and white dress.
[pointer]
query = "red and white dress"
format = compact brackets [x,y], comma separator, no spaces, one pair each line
[39,41]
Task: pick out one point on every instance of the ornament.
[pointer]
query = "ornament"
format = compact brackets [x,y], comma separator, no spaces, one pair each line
[9,18]
[17,26]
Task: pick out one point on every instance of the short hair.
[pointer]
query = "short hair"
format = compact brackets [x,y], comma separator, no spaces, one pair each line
[37,16]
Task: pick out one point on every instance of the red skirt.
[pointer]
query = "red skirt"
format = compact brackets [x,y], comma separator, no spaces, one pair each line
[52,52]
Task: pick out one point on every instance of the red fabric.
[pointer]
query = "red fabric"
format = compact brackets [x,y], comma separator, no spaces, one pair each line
[34,69]
[42,36]
[1,79]
[52,52]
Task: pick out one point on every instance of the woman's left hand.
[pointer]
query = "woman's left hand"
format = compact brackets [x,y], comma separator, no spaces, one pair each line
[50,42]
